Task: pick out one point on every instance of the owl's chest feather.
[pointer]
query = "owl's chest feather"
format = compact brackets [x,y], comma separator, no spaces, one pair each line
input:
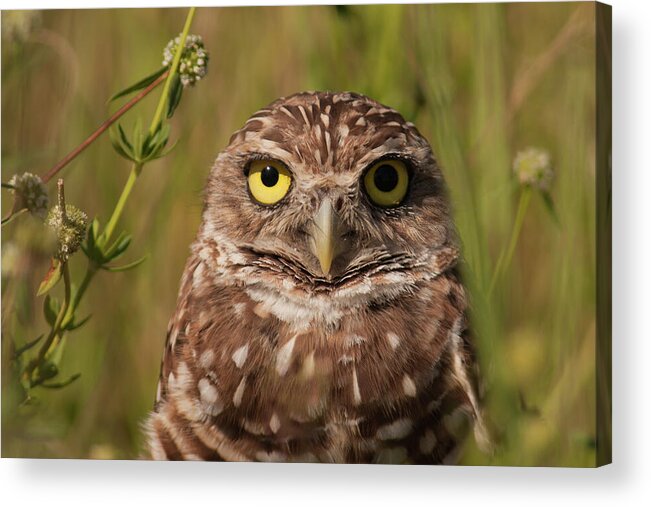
[349,390]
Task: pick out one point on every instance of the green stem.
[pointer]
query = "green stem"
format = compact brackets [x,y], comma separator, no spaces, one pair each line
[506,256]
[56,327]
[74,304]
[119,207]
[175,64]
[136,169]
[8,219]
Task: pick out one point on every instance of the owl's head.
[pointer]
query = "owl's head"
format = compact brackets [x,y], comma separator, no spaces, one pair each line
[322,190]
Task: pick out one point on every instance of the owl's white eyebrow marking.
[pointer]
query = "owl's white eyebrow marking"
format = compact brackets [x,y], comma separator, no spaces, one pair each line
[357,397]
[284,357]
[209,396]
[408,386]
[239,392]
[240,355]
[206,358]
[399,428]
[274,423]
[393,339]
[427,442]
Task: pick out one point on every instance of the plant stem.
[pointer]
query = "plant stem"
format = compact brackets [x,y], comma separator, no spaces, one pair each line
[102,128]
[175,64]
[506,256]
[136,169]
[56,327]
[13,215]
[119,207]
[90,273]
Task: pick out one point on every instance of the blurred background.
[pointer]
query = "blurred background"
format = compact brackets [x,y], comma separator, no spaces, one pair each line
[481,82]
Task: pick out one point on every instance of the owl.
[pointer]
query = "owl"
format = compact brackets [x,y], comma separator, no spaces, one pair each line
[321,316]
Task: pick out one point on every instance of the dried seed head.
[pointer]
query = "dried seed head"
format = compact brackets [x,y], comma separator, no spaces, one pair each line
[69,229]
[30,193]
[533,168]
[194,59]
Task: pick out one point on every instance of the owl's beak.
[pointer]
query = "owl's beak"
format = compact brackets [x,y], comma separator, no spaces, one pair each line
[325,235]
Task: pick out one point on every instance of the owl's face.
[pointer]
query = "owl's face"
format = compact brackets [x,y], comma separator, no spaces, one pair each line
[320,189]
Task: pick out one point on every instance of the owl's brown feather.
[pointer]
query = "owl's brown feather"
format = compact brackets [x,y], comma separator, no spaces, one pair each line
[267,358]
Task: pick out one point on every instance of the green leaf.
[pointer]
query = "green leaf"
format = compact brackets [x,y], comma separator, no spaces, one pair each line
[52,277]
[549,206]
[119,146]
[59,385]
[124,138]
[51,307]
[56,354]
[143,83]
[19,351]
[126,267]
[137,139]
[119,246]
[174,97]
[76,325]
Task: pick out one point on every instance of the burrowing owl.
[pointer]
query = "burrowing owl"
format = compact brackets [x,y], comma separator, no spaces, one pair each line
[320,316]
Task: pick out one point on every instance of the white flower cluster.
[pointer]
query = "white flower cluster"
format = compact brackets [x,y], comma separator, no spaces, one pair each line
[533,167]
[194,59]
[30,193]
[70,231]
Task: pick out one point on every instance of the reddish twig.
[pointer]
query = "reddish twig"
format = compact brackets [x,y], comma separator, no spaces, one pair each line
[102,128]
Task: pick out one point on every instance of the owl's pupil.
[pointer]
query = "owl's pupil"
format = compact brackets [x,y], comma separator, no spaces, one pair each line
[385,178]
[269,176]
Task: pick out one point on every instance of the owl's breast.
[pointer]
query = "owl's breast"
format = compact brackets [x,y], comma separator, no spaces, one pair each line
[371,386]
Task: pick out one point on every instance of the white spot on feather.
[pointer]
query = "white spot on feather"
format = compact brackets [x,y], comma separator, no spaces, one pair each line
[240,355]
[408,386]
[394,340]
[209,396]
[239,308]
[274,423]
[284,357]
[239,392]
[399,428]
[206,358]
[427,442]
[353,339]
[357,397]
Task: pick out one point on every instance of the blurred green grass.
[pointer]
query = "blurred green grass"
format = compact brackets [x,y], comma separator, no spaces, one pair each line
[480,81]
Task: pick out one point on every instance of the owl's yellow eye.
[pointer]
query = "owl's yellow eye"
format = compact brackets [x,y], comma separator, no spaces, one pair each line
[386,183]
[269,181]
